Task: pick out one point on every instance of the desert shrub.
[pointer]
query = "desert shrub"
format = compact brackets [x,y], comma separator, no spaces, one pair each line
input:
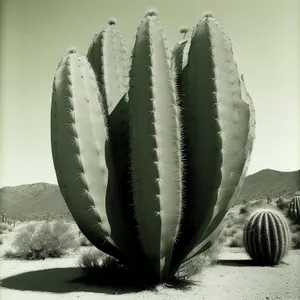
[83,241]
[233,242]
[232,231]
[294,227]
[226,232]
[295,231]
[229,222]
[100,267]
[4,227]
[1,240]
[38,241]
[258,202]
[282,204]
[296,240]
[236,240]
[239,220]
[244,209]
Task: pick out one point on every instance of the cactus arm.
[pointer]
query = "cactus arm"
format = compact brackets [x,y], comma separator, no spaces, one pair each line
[108,56]
[179,62]
[216,124]
[78,138]
[221,210]
[155,145]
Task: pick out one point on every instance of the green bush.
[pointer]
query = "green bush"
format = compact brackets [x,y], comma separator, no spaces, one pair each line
[39,241]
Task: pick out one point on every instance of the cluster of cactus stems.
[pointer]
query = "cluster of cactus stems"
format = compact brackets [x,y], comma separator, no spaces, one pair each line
[151,151]
[294,209]
[267,236]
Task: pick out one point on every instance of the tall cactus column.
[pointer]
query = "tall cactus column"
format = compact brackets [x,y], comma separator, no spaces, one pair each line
[216,126]
[79,136]
[109,57]
[155,145]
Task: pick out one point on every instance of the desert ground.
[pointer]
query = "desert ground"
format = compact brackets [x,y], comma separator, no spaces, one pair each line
[231,278]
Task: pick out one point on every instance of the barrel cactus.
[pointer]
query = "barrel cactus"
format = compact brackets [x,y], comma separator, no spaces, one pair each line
[267,236]
[294,209]
[149,164]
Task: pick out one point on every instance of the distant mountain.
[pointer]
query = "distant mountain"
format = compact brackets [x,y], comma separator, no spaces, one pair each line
[32,200]
[44,199]
[270,183]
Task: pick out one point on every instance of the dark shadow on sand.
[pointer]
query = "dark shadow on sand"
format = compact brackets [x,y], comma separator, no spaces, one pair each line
[243,263]
[67,280]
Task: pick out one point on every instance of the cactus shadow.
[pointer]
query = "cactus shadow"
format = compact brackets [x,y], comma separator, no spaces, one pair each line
[59,281]
[237,262]
[243,263]
[73,279]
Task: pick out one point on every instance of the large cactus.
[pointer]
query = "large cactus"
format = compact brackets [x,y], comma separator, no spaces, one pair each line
[148,157]
[267,236]
[294,208]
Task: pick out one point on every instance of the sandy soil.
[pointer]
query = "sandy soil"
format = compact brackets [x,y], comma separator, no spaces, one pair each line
[233,278]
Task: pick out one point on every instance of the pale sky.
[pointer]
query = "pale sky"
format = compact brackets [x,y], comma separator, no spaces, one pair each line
[35,34]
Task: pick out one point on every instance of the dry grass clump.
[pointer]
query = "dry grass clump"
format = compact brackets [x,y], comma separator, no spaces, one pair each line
[42,240]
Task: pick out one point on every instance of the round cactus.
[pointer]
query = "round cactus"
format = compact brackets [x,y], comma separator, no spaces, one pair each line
[267,236]
[294,209]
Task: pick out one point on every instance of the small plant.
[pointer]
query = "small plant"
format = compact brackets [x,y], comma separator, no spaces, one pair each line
[5,227]
[91,259]
[98,266]
[267,236]
[39,241]
[294,209]
[236,240]
[83,241]
[282,204]
[244,209]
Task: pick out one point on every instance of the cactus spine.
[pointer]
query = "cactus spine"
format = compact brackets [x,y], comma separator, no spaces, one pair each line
[294,209]
[267,236]
[150,155]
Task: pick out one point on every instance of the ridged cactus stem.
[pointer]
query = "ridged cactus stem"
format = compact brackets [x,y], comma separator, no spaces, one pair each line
[294,209]
[108,56]
[267,236]
[155,145]
[79,137]
[221,210]
[216,126]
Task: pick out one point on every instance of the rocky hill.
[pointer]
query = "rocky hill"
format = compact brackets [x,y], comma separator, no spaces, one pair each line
[41,200]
